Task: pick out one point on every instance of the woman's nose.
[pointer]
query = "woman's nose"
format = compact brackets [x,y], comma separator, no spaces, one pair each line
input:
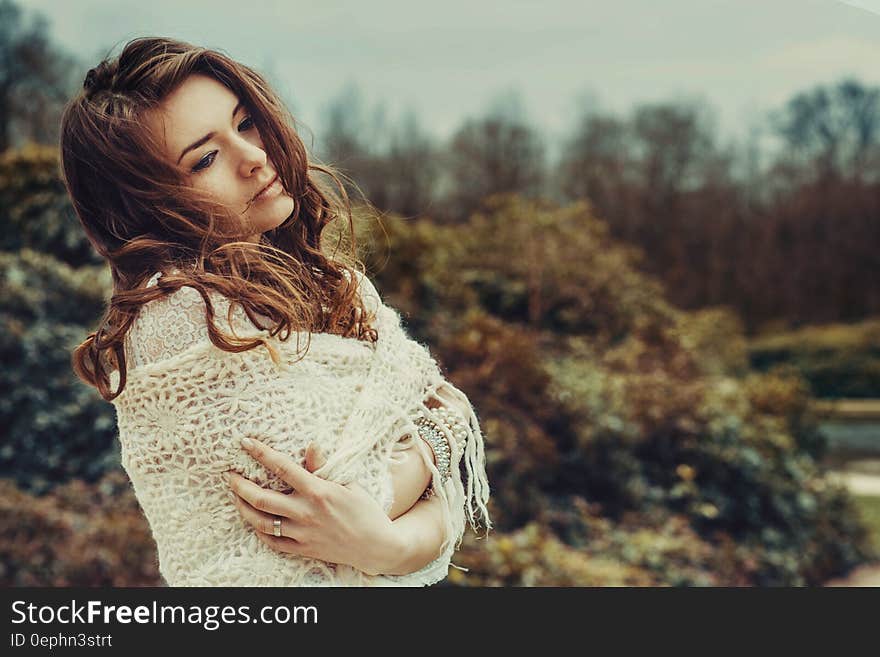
[252,157]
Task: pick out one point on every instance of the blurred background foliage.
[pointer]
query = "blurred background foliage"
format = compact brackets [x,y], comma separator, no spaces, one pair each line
[643,327]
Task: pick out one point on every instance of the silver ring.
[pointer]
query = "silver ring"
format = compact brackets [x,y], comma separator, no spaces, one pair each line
[276,526]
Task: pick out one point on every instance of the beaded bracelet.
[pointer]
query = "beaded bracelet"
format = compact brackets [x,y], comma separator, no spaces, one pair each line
[431,433]
[456,427]
[439,441]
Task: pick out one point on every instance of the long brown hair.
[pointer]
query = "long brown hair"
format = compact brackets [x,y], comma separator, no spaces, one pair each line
[142,218]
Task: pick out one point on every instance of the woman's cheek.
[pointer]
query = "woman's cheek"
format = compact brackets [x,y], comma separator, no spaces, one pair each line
[216,190]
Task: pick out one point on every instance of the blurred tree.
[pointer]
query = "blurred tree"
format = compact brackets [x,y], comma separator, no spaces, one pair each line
[673,143]
[344,137]
[394,164]
[673,147]
[595,164]
[636,173]
[351,141]
[413,168]
[834,132]
[35,79]
[653,178]
[499,153]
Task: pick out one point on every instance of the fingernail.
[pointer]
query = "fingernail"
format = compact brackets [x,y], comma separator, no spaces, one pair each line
[227,477]
[247,443]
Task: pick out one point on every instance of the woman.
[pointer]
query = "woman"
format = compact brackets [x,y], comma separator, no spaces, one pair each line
[188,177]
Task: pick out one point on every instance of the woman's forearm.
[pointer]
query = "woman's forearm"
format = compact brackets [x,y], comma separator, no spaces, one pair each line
[420,533]
[410,477]
[418,523]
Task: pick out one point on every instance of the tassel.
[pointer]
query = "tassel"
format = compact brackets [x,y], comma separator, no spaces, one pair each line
[474,456]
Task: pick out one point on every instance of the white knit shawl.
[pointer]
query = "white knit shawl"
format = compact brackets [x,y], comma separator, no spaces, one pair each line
[187,404]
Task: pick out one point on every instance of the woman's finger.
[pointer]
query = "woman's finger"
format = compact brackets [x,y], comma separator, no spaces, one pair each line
[264,522]
[314,457]
[282,465]
[267,500]
[282,544]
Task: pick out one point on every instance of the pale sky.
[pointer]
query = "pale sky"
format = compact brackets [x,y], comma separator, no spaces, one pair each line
[448,61]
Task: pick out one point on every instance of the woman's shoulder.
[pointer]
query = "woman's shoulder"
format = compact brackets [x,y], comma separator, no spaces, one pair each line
[169,325]
[185,296]
[369,294]
[186,304]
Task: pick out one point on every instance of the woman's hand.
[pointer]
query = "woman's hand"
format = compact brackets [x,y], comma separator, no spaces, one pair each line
[319,519]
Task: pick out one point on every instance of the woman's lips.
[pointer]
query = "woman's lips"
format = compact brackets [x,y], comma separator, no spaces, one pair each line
[270,190]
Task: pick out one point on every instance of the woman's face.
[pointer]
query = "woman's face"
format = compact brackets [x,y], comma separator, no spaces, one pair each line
[210,136]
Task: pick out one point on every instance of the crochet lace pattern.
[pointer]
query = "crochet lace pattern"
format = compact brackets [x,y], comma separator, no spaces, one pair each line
[187,404]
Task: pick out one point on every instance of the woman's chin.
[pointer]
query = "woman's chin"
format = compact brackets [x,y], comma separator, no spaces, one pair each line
[285,208]
[278,217]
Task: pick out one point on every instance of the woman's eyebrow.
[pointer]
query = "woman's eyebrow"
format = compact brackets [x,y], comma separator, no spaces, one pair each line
[208,136]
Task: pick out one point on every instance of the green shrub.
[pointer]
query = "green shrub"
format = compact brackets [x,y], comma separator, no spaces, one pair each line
[838,360]
[54,427]
[589,385]
[35,211]
[869,509]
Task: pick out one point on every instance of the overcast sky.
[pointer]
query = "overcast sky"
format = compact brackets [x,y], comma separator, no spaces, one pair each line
[448,61]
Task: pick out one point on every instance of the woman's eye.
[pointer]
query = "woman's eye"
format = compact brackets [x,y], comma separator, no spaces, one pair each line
[206,161]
